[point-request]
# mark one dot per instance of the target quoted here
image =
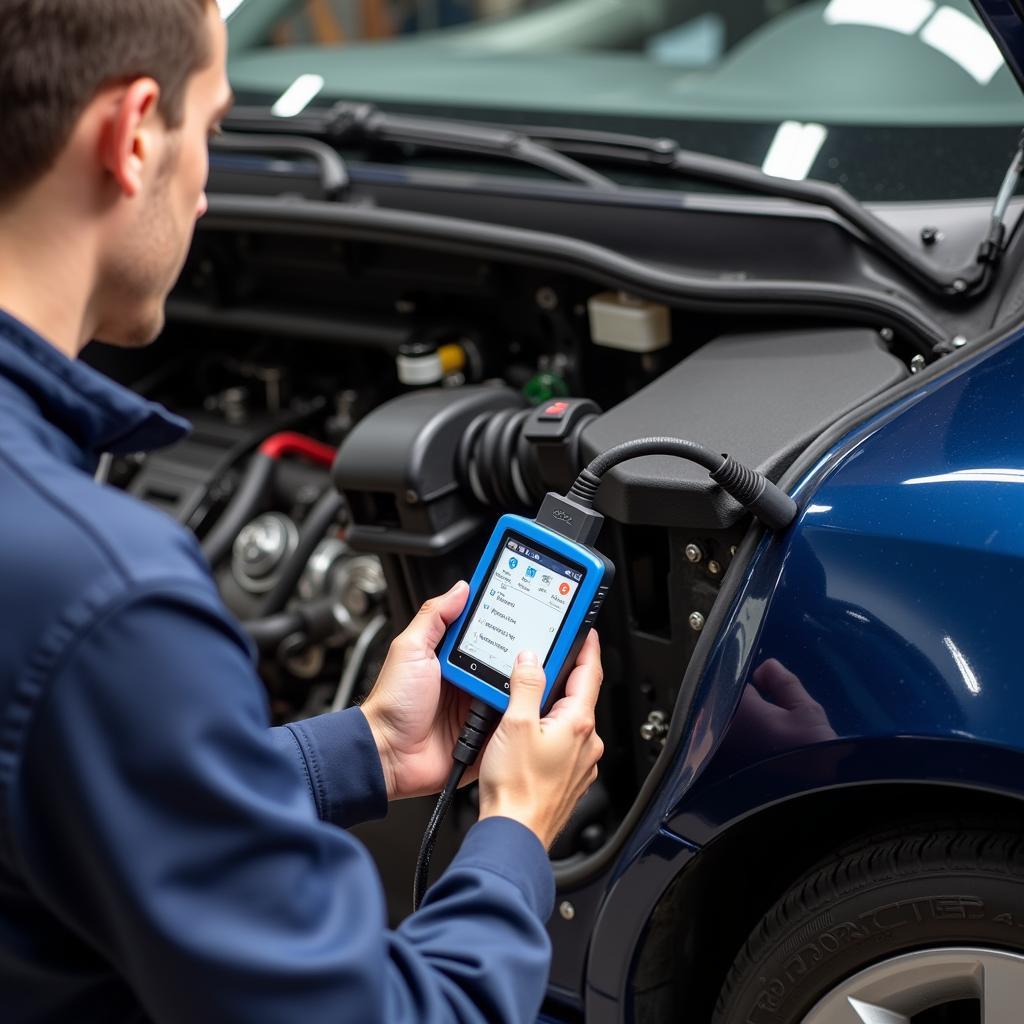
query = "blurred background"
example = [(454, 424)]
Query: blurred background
[(335, 22)]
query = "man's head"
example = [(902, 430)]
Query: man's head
[(107, 107)]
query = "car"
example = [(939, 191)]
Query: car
[(443, 269)]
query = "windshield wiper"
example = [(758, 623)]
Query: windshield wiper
[(555, 149), (358, 123), (665, 154)]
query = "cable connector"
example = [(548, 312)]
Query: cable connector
[(479, 724), (572, 519), (756, 492)]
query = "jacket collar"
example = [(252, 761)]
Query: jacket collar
[(98, 414)]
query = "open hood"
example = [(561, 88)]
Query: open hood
[(1005, 20)]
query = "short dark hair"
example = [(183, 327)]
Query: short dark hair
[(56, 55)]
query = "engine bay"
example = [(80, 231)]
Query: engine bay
[(363, 415)]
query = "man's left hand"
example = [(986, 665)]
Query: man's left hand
[(414, 716)]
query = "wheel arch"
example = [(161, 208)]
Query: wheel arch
[(710, 907)]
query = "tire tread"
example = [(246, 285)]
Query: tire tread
[(885, 857)]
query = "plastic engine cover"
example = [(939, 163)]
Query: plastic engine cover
[(759, 397)]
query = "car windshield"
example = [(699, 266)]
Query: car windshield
[(894, 99)]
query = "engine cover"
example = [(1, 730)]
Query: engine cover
[(759, 397)]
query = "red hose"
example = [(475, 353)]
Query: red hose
[(298, 444)]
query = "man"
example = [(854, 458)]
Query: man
[(164, 855)]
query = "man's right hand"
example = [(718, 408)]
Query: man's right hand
[(535, 769)]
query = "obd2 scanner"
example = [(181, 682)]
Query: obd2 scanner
[(540, 585)]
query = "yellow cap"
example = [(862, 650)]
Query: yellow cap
[(453, 358)]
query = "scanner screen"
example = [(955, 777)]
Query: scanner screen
[(521, 606)]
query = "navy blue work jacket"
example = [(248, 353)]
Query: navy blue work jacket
[(165, 855)]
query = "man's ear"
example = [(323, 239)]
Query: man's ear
[(129, 136)]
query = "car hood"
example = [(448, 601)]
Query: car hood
[(1005, 20)]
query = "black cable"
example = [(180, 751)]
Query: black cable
[(249, 498), (444, 801), (311, 622), (586, 483), (753, 490), (192, 514), (480, 722)]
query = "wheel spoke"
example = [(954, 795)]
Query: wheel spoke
[(868, 1013), (893, 991), (1001, 992), (856, 1011)]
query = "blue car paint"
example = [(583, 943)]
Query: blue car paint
[(890, 611)]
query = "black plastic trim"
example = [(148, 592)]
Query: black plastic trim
[(535, 248)]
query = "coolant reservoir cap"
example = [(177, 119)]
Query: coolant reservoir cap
[(419, 364)]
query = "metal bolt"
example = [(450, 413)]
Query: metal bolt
[(959, 341), (547, 298), (411, 497), (732, 550), (693, 553), (714, 568), (886, 334), (696, 621), (959, 285), (567, 910), (930, 235), (917, 363), (655, 727)]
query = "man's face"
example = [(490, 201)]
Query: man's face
[(146, 250)]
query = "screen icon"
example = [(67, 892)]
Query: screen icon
[(513, 562), (564, 588), (531, 572)]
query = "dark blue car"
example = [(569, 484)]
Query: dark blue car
[(785, 230)]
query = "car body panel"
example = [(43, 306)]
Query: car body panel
[(892, 607)]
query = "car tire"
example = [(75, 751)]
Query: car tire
[(936, 897)]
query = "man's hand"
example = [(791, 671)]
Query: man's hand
[(536, 769), (414, 717)]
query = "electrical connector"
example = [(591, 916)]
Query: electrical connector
[(561, 514)]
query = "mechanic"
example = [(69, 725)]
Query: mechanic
[(164, 854)]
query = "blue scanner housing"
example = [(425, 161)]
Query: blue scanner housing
[(597, 574)]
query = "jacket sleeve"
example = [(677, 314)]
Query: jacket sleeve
[(157, 815), (340, 763)]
